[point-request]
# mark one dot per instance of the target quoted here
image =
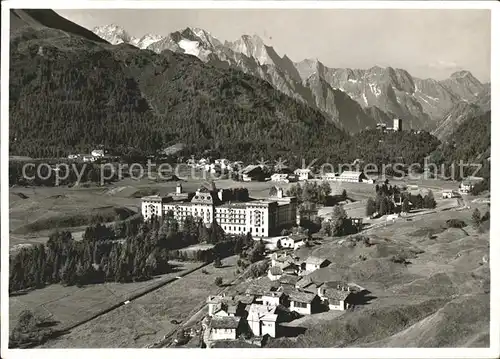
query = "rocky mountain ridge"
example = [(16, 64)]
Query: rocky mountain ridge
[(421, 103)]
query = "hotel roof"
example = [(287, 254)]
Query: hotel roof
[(155, 197)]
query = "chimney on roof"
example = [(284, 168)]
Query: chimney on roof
[(178, 188)]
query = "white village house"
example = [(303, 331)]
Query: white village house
[(313, 263), (293, 241), (262, 319), (280, 177), (468, 183), (224, 328), (303, 174), (97, 153), (352, 176), (337, 295), (303, 302)]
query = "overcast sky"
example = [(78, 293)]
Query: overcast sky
[(427, 43)]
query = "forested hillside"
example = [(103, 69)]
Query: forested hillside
[(471, 143), (373, 146), (69, 94)]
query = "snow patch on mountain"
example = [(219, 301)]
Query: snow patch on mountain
[(190, 47), (432, 98), (374, 89), (365, 99), (423, 99)]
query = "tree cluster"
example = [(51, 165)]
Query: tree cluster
[(310, 192), (47, 173), (338, 224), (30, 330)]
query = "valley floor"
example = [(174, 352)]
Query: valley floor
[(439, 298)]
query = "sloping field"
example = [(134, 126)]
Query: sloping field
[(70, 305), (148, 318), (462, 322), (438, 298)]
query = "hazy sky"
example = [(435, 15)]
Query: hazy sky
[(427, 43)]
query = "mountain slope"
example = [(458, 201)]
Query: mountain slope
[(470, 142), (42, 18), (70, 94), (464, 85), (252, 56), (459, 113), (420, 103)]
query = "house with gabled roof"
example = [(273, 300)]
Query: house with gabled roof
[(275, 298), (303, 174), (293, 241), (304, 302), (223, 306), (225, 328), (352, 176), (274, 273), (288, 281), (313, 263), (252, 173), (262, 319), (337, 295)]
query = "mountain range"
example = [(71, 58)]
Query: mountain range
[(353, 98), (71, 90)]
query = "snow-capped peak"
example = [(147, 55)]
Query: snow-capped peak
[(147, 40), (113, 33)]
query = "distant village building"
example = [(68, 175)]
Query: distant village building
[(252, 173), (280, 177), (347, 176), (330, 176), (352, 176), (398, 124), (448, 193), (262, 218), (303, 174), (468, 183), (88, 158), (97, 153)]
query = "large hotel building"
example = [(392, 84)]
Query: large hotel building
[(260, 217)]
